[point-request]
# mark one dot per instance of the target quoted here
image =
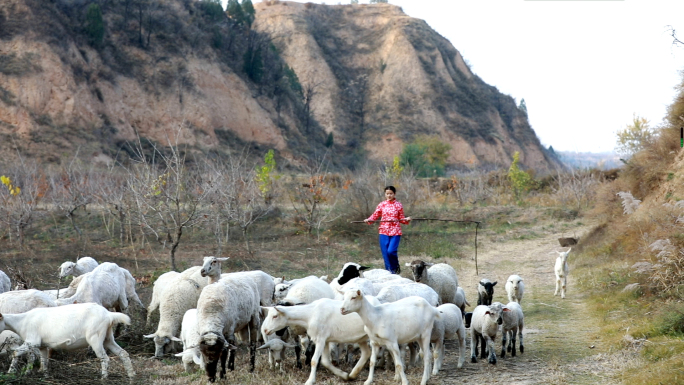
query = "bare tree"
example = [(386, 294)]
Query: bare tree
[(113, 193), (22, 189), (168, 195), (72, 189), (577, 186), (309, 91)]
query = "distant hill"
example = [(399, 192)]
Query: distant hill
[(599, 160)]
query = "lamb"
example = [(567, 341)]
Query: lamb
[(225, 307), (157, 289), (483, 327), (362, 284), (515, 288), (21, 301), (190, 338), (383, 282), (513, 323), (349, 271), (82, 266), (5, 283), (396, 292), (561, 270), (485, 291), (441, 277), (307, 290), (54, 328), (106, 286), (181, 294), (325, 324), (275, 343), (67, 291), (376, 274), (211, 268), (461, 300), (395, 323), (448, 326)]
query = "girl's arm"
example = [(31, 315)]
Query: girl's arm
[(377, 214)]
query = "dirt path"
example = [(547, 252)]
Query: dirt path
[(561, 345)]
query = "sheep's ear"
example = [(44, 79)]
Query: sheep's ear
[(358, 292), (149, 336), (429, 264), (407, 264), (494, 284), (181, 354), (265, 346), (223, 259), (363, 267), (176, 339), (488, 312), (481, 284), (506, 309), (232, 347), (264, 309), (569, 250)]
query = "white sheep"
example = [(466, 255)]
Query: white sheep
[(9, 342), (561, 269), (181, 294), (54, 328), (83, 265), (131, 294), (275, 343), (363, 284), (460, 299), (307, 290), (448, 326), (394, 293), (211, 268), (441, 277), (106, 286), (513, 324), (515, 288), (228, 306), (383, 282), (190, 338), (21, 301), (5, 283), (394, 323), (376, 274), (67, 291), (483, 327), (157, 289), (324, 324)]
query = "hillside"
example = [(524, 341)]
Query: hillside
[(181, 71)]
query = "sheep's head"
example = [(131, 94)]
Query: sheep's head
[(352, 301), (488, 287), (349, 271), (162, 344), (213, 346), (275, 320), (66, 269), (515, 280), (495, 311), (276, 347), (212, 266), (419, 269), (280, 291)]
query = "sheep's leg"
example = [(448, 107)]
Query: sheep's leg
[(113, 347), (43, 360), (310, 347), (461, 346), (504, 334), (558, 284), (490, 347), (231, 359), (102, 355), (413, 354), (565, 282), (381, 361), (298, 351), (225, 353), (437, 355), (253, 336), (365, 355), (520, 336), (373, 361), (325, 361), (512, 343), (393, 348), (425, 348), (350, 353), (484, 347), (474, 339), (314, 363)]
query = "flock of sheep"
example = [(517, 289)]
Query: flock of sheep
[(208, 312)]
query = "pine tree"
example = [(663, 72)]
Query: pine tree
[(523, 106), (235, 11), (249, 11), (94, 25)]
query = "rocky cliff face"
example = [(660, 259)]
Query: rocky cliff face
[(370, 75), (381, 77)]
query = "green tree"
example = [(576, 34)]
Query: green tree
[(265, 175), (235, 12), (329, 141), (94, 24), (521, 181), (253, 64), (523, 106), (249, 11), (635, 137), (426, 155)]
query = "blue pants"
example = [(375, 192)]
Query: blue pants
[(389, 246)]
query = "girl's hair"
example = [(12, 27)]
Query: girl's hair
[(394, 190)]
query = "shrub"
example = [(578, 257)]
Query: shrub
[(94, 25)]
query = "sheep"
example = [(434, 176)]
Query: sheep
[(485, 292), (513, 323), (325, 324), (21, 301), (515, 288), (396, 292), (54, 328), (227, 306), (460, 299), (211, 268), (67, 291), (275, 343), (391, 324), (349, 271), (106, 286), (189, 337), (157, 289), (362, 284), (561, 269), (5, 283), (383, 282), (441, 277), (376, 273), (82, 266), (483, 327), (307, 290), (9, 342), (448, 326), (181, 294), (131, 295)]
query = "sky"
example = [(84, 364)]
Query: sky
[(584, 68)]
